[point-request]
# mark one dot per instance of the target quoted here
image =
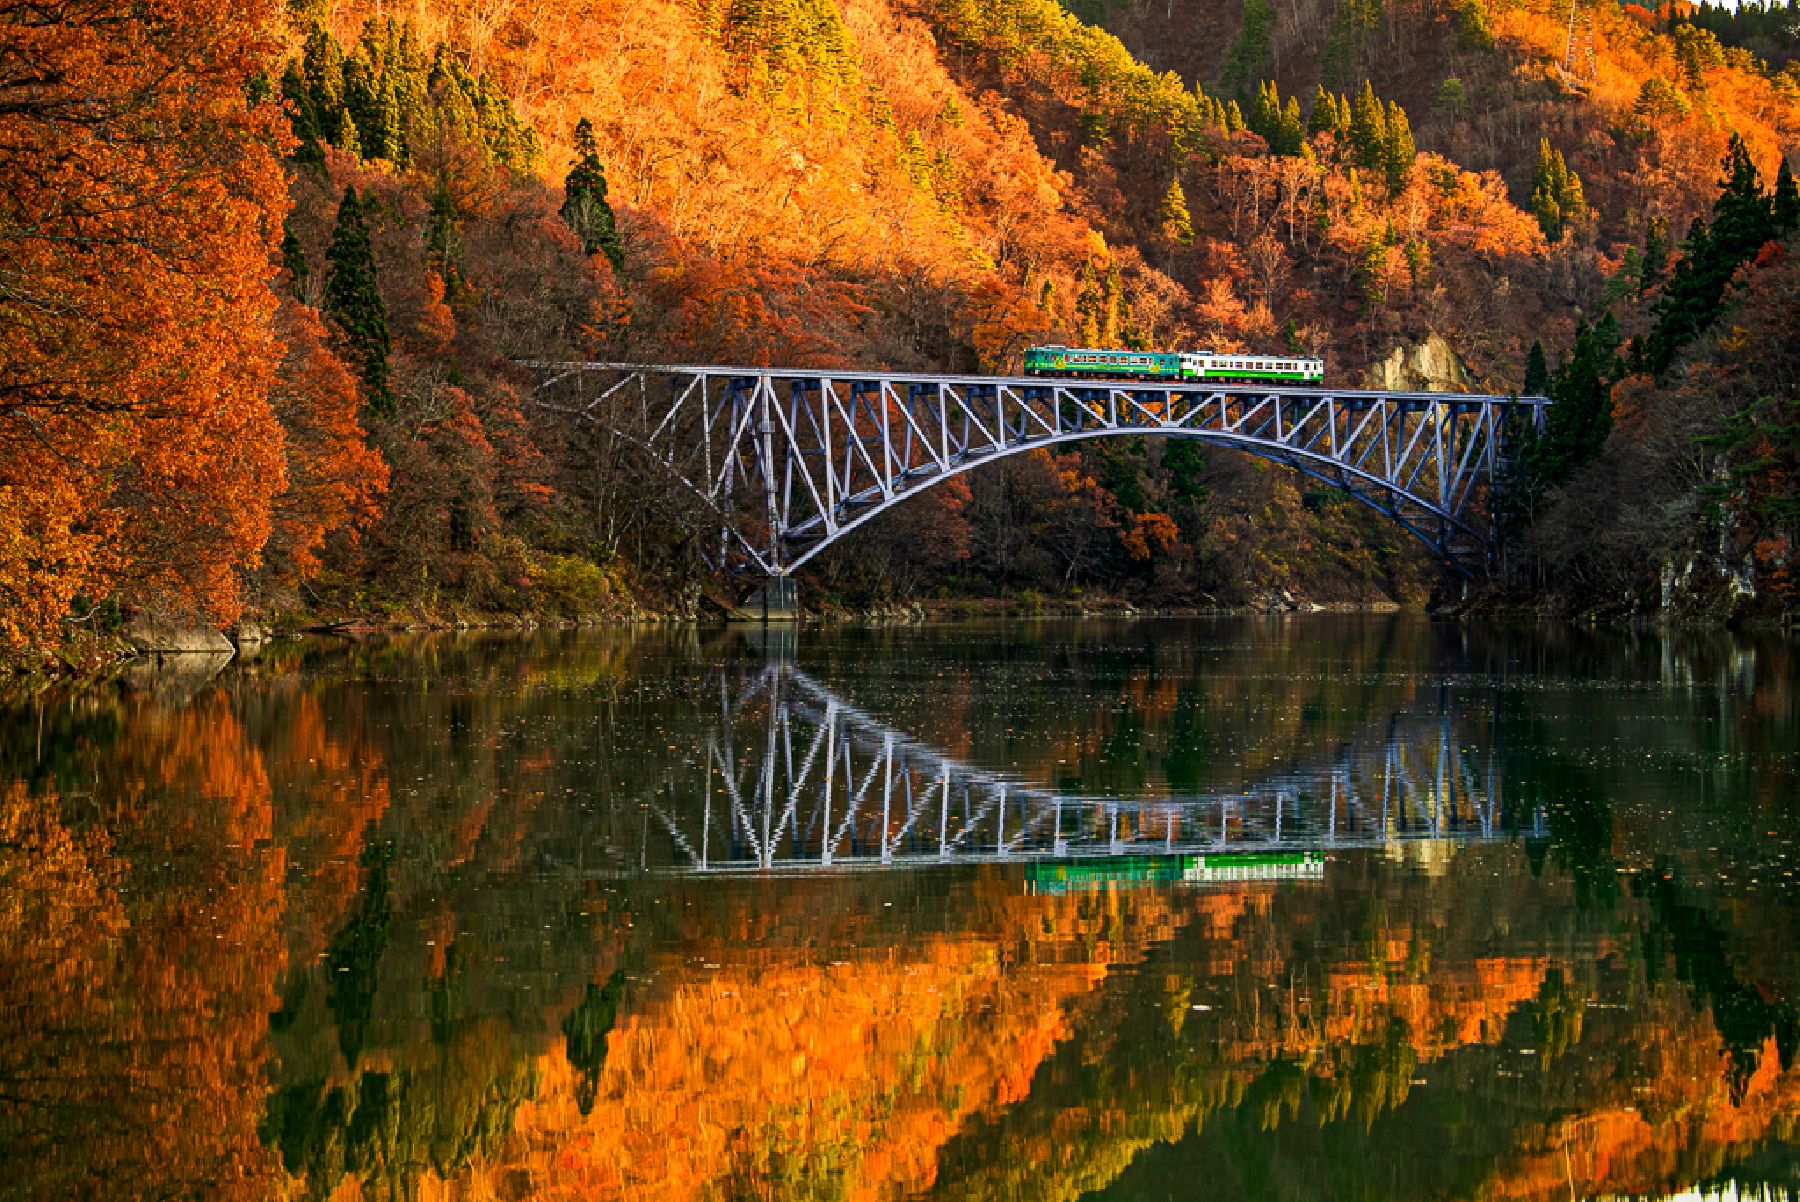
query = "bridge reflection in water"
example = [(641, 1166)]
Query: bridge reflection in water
[(794, 777)]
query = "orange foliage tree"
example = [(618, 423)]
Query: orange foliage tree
[(333, 476), (140, 190)]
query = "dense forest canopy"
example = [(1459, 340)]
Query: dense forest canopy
[(269, 275)]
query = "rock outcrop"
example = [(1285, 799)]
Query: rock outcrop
[(1428, 366)]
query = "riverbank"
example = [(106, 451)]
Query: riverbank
[(96, 653), (90, 652)]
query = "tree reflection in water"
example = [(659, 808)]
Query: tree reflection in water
[(370, 918)]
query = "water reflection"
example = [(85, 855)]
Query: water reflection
[(428, 919), (794, 776)]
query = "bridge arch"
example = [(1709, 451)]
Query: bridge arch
[(1361, 486), (793, 460)]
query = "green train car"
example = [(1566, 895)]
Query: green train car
[(1075, 362), (1130, 872)]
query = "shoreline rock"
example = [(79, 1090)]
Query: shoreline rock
[(153, 637)]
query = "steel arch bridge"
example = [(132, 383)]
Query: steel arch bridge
[(791, 460), (793, 777)]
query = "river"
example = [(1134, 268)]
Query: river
[(1249, 908)]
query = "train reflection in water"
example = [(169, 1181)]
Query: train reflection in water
[(1082, 876)]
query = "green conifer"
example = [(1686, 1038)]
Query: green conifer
[(304, 119), (1368, 130), (353, 300), (1291, 135), (1452, 99), (585, 206), (1577, 426), (1742, 216), (1251, 48), (1557, 198), (1323, 118), (1537, 372), (1265, 116), (1743, 220), (1177, 223), (293, 258), (1786, 205), (1400, 151), (322, 69)]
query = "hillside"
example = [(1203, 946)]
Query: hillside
[(412, 206)]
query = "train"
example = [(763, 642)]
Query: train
[(1079, 362)]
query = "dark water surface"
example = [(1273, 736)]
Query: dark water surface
[(1324, 908)]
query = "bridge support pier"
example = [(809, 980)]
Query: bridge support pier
[(777, 599)]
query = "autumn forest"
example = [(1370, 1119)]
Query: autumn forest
[(271, 276)]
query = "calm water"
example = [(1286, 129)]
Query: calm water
[(1325, 908)]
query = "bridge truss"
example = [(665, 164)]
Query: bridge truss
[(794, 777), (792, 460)]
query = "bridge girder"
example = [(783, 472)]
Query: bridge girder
[(792, 460)]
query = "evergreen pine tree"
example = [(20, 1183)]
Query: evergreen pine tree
[(1251, 48), (1265, 116), (1400, 151), (393, 122), (1324, 113), (1743, 219), (1177, 224), (1368, 129), (293, 258), (353, 299), (1452, 99), (1537, 372), (1572, 199), (1292, 134), (584, 206), (1786, 206), (305, 120), (1577, 425), (1742, 216), (1548, 180), (322, 69), (362, 109)]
